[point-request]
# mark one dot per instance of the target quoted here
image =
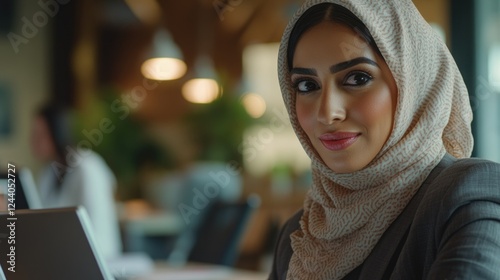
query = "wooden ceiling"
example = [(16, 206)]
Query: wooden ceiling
[(219, 28)]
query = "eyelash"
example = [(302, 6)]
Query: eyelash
[(357, 72), (296, 83)]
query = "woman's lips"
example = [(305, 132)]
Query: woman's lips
[(339, 140)]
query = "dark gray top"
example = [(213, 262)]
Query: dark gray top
[(449, 230)]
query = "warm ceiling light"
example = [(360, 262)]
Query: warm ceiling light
[(254, 104), (204, 88), (201, 90), (163, 68), (165, 62)]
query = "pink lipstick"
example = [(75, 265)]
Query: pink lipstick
[(339, 140)]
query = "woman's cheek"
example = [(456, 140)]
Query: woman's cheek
[(376, 107), (305, 116)]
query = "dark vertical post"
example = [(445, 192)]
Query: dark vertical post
[(63, 44), (463, 45)]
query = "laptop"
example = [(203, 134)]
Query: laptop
[(49, 244), (26, 193)]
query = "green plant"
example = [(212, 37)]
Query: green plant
[(218, 128), (125, 145)]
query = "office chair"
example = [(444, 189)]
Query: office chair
[(218, 236)]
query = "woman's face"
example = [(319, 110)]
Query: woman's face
[(42, 145), (345, 96)]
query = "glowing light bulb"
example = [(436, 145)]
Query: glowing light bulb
[(201, 90), (254, 104), (163, 68)]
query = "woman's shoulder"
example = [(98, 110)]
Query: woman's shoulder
[(457, 216), (468, 176), (461, 182), (466, 167), (93, 164)]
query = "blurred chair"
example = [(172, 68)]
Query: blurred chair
[(216, 239), (219, 235)]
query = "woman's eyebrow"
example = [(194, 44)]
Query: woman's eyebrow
[(337, 67), (304, 71), (350, 63)]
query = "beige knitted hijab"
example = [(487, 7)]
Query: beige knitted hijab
[(346, 214)]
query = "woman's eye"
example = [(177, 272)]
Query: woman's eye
[(306, 86), (357, 79)]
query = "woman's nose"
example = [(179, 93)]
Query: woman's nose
[(331, 107)]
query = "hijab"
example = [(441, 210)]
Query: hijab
[(346, 214)]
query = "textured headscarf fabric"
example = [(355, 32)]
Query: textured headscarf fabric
[(346, 214)]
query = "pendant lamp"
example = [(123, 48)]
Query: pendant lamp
[(203, 88), (166, 60)]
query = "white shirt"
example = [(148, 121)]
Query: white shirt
[(89, 182)]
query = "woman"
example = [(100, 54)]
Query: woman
[(381, 109), (74, 177)]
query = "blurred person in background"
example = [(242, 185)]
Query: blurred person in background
[(75, 176)]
